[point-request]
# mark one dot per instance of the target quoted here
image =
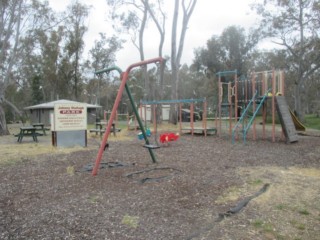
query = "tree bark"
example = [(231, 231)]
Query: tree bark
[(15, 21), (174, 67), (177, 54)]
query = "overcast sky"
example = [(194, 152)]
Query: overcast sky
[(209, 18)]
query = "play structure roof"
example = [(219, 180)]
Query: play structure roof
[(50, 105)]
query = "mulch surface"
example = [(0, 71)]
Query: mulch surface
[(55, 197)]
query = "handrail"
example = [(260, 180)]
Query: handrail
[(247, 127)]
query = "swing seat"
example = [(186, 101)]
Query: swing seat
[(150, 146)]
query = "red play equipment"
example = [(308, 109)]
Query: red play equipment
[(169, 137)]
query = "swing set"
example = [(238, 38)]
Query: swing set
[(192, 128), (123, 86)]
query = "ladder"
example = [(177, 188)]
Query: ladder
[(246, 120)]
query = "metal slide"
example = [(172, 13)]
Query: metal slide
[(286, 120), (299, 126)]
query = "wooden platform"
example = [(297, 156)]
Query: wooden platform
[(199, 130)]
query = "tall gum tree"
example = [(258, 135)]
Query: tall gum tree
[(177, 49), (11, 17)]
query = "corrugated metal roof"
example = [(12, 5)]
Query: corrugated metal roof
[(50, 105)]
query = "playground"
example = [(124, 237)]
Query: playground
[(231, 176), (49, 193)]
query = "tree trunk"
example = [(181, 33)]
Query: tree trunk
[(174, 68), (3, 124), (176, 54), (142, 58)]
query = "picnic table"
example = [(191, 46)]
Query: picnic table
[(100, 129), (40, 127), (27, 132)]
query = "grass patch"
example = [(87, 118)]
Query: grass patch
[(93, 199), (264, 226), (130, 221), (303, 212), (281, 206), (256, 182), (312, 121), (257, 223), (298, 225)]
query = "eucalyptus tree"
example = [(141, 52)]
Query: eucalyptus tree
[(294, 25), (11, 18), (74, 32), (19, 19), (132, 17), (232, 50), (177, 45), (102, 55)]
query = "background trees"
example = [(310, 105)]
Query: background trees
[(43, 57), (295, 26), (232, 50)]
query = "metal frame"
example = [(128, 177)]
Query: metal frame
[(123, 85)]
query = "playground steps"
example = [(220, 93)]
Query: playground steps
[(286, 120), (247, 119)]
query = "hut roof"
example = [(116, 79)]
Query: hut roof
[(50, 105)]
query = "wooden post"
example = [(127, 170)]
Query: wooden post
[(180, 118), (254, 105), (264, 109), (191, 118), (204, 117), (219, 105), (273, 107)]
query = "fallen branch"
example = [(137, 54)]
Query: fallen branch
[(230, 212)]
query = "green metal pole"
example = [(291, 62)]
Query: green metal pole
[(140, 123), (134, 109)]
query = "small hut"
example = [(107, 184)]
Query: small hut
[(41, 112)]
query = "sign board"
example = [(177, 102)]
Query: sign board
[(70, 117)]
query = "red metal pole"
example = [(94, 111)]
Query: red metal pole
[(124, 78)]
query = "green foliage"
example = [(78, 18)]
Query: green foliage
[(293, 25), (312, 121), (231, 50), (37, 95)]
